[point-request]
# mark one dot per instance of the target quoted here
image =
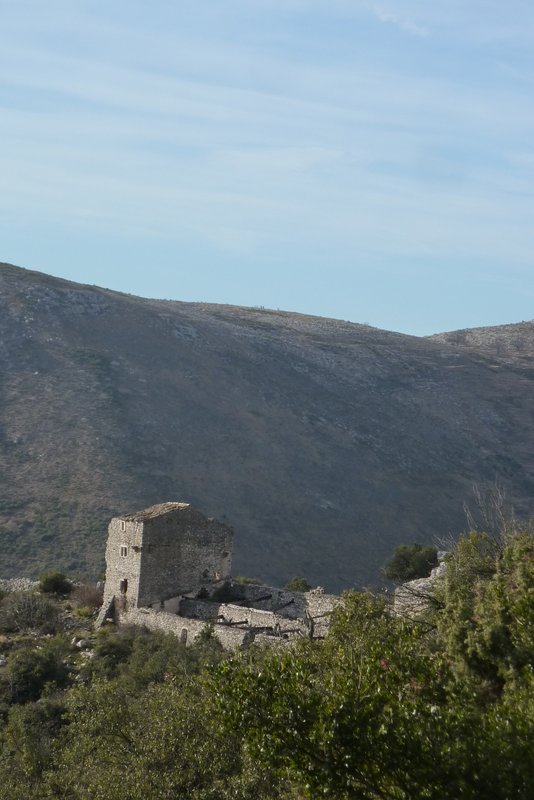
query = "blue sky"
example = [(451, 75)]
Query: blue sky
[(371, 161)]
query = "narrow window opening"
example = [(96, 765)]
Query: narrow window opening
[(183, 636), (123, 586), (123, 525), (124, 550)]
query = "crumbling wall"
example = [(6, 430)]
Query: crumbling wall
[(252, 617), (415, 597), (319, 607), (184, 628)]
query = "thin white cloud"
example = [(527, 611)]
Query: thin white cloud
[(213, 141), (404, 23)]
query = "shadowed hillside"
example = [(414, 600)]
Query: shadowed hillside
[(324, 443)]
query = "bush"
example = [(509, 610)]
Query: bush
[(31, 670), (297, 584), (54, 583), (411, 561), (87, 596), (23, 611)]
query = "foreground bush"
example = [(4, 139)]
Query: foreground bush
[(384, 708)]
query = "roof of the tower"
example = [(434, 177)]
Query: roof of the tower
[(159, 510)]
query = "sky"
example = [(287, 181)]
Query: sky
[(369, 161)]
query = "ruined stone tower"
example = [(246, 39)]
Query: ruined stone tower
[(161, 553)]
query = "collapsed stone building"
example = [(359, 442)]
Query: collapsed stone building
[(413, 598), (168, 568)]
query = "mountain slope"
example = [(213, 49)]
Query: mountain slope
[(324, 443)]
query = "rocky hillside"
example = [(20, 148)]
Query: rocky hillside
[(324, 443)]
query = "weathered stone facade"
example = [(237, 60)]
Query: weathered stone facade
[(168, 568), (166, 550)]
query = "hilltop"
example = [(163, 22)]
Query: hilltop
[(325, 443)]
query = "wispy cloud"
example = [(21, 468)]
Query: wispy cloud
[(283, 137), (404, 23)]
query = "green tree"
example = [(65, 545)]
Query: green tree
[(55, 583), (161, 743), (487, 623), (411, 561), (27, 745), (32, 670), (297, 584), (360, 716)]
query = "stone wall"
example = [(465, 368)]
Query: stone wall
[(415, 597), (126, 534), (182, 551), (252, 617), (184, 628), (320, 607)]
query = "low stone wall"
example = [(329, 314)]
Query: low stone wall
[(415, 597), (253, 617), (18, 585), (184, 628), (320, 607)]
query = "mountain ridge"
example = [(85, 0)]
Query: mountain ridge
[(325, 442)]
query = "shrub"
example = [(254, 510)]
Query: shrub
[(87, 596), (23, 611), (31, 670), (54, 583), (297, 584), (411, 561)]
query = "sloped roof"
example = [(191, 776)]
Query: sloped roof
[(159, 510)]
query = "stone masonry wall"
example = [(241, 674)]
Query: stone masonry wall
[(118, 568), (230, 638), (206, 610), (320, 607), (182, 551)]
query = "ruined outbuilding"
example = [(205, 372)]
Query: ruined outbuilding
[(168, 568)]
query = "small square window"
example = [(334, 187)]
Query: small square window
[(124, 550)]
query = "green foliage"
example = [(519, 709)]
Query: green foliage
[(163, 744), (32, 671), (28, 743), (55, 583), (138, 657), (411, 561), (297, 584), (487, 624), (342, 718), (384, 708)]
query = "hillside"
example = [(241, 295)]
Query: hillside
[(324, 443)]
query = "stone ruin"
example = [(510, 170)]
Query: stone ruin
[(168, 569), (413, 598)]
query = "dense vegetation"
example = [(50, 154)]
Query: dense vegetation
[(438, 708)]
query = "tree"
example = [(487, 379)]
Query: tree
[(411, 561), (54, 583), (297, 584)]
